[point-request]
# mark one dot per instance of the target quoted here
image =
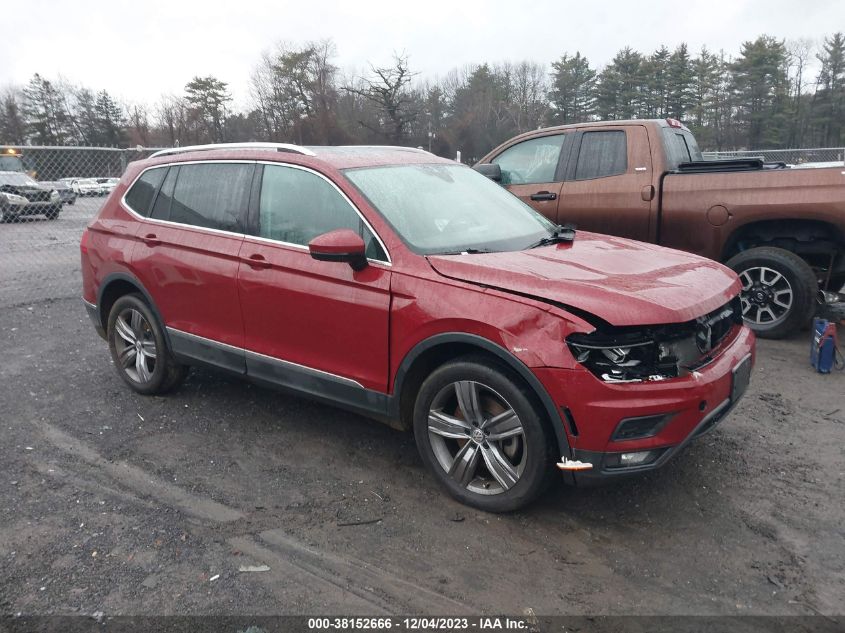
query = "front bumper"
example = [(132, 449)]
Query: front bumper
[(592, 410)]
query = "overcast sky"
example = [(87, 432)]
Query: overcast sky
[(139, 49)]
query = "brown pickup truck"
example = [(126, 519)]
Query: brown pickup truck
[(782, 230)]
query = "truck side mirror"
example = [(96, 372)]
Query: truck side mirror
[(492, 170)]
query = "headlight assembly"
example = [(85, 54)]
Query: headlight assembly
[(13, 198), (624, 357)]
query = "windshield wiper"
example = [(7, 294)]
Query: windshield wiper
[(467, 251), (561, 233)]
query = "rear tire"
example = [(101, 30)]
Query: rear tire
[(482, 436), (778, 290), (139, 348)]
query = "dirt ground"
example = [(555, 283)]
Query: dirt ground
[(117, 503)]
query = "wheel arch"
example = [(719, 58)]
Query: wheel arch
[(432, 352), (801, 236), (117, 285)]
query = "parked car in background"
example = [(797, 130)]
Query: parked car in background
[(409, 288), (21, 196), (107, 185), (782, 230), (85, 186), (67, 194)]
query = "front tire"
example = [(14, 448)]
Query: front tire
[(482, 436), (778, 290), (139, 348)]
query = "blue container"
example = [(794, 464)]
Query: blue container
[(823, 346)]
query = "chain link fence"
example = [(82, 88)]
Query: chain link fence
[(809, 157), (39, 253), (40, 232)]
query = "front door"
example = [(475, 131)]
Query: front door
[(309, 324), (530, 171)]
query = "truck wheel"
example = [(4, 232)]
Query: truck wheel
[(778, 290)]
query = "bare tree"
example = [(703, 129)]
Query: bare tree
[(388, 88)]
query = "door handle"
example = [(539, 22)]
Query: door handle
[(544, 195), (647, 193), (256, 260), (151, 239)]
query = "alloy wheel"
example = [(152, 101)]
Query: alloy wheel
[(766, 296), (135, 345), (477, 437)]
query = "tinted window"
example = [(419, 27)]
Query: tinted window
[(297, 206), (602, 154), (140, 195), (161, 208), (531, 161), (680, 147), (212, 195)]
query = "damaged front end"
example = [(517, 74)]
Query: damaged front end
[(651, 353)]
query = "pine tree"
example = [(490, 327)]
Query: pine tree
[(829, 104), (761, 86), (680, 83), (208, 97), (573, 84)]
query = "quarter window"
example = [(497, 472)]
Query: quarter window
[(530, 162), (296, 206), (140, 195), (212, 195), (161, 207), (602, 154)]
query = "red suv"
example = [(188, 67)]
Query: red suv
[(414, 290)]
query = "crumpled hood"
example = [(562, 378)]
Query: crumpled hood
[(621, 281)]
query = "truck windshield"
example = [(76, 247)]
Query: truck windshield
[(681, 147), (438, 209), (11, 163)]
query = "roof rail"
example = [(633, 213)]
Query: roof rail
[(279, 147)]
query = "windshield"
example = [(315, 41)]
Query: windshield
[(11, 163), (449, 208), (16, 178)]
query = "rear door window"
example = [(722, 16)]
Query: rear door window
[(530, 162), (297, 205), (212, 195), (602, 154), (140, 195)]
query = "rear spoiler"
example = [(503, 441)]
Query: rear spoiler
[(737, 164)]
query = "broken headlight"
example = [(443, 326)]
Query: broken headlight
[(624, 357)]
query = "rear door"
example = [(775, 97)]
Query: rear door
[(609, 182), (531, 170), (187, 258)]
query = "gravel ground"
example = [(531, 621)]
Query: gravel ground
[(124, 504)]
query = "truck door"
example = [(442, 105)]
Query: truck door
[(531, 170), (609, 182)]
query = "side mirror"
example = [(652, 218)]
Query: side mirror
[(491, 170), (343, 245)]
